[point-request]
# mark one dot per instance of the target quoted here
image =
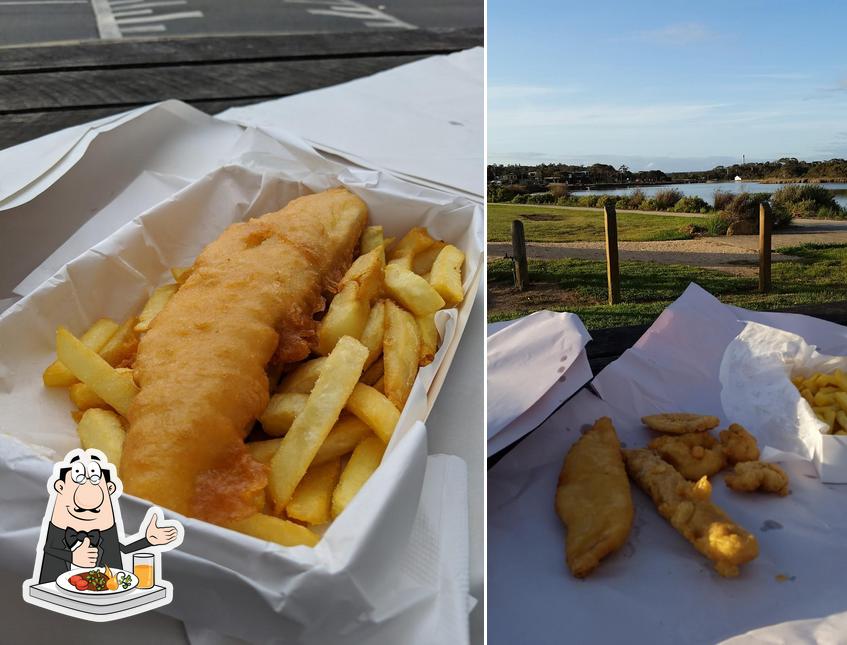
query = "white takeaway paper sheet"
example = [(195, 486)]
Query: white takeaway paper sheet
[(657, 584), (434, 106), (534, 365), (346, 585)]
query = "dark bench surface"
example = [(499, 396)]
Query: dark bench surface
[(608, 344), (48, 87)]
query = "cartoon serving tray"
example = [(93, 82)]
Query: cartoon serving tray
[(79, 566)]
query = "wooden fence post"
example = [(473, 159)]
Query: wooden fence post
[(519, 255), (765, 227), (613, 272)]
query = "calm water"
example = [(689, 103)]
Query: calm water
[(707, 191)]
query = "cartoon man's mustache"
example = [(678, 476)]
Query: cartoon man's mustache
[(77, 509)]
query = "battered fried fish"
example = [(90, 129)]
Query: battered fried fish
[(694, 455), (738, 444), (689, 510), (593, 498), (251, 296), (680, 422), (757, 475)]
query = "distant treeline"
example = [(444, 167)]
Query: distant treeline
[(541, 175)]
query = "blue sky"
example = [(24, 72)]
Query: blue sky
[(669, 85)]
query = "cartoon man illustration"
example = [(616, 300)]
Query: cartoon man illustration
[(82, 529)]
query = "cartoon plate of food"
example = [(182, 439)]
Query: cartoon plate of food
[(99, 581)]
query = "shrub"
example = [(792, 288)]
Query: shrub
[(540, 198), (588, 201), (745, 206), (500, 194), (648, 205), (691, 204), (633, 201), (567, 201), (558, 190), (607, 199), (665, 199), (519, 199), (807, 200), (690, 231), (717, 224), (722, 199)]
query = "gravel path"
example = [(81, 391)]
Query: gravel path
[(737, 254)]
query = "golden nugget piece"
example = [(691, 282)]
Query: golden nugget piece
[(738, 444), (251, 297), (757, 475), (593, 498), (694, 455), (680, 422), (689, 510)]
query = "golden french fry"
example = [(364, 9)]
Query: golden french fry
[(282, 409), (347, 316), (154, 305), (807, 394), (344, 436), (422, 262), (303, 378), (379, 386), (841, 419), (90, 368), (274, 529), (828, 417), (181, 274), (120, 349), (366, 271), (333, 388), (412, 243), (824, 399), (840, 380), (429, 338), (401, 353), (57, 375), (404, 262), (412, 291), (363, 462), (374, 332), (373, 373), (371, 239), (797, 381), (841, 400), (83, 397), (103, 430), (312, 499), (446, 275), (374, 408)]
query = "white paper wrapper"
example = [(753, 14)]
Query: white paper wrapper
[(757, 392), (535, 364), (658, 584), (254, 590)]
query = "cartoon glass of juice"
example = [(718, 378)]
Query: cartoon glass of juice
[(142, 567)]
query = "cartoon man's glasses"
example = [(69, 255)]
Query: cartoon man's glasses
[(82, 470)]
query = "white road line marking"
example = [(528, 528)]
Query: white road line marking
[(165, 16), (350, 9), (140, 12), (24, 2), (143, 29), (106, 25), (136, 4)]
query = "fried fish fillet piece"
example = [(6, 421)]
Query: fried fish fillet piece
[(694, 455), (738, 444), (680, 422), (690, 511), (593, 498), (757, 475), (251, 297)]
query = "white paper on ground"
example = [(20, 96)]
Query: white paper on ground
[(368, 120), (274, 592), (534, 364), (657, 583)]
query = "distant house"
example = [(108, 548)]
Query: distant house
[(509, 178), (737, 178)]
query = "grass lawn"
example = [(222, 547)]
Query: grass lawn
[(579, 286), (550, 224)]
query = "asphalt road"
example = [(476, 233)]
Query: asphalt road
[(39, 21)]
